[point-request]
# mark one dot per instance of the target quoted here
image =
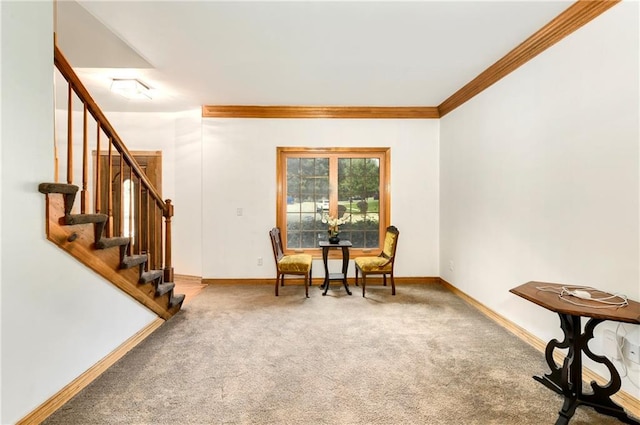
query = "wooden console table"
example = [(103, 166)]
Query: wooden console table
[(326, 245), (567, 380)]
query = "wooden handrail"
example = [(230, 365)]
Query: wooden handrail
[(156, 208), (67, 72)]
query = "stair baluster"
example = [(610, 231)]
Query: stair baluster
[(84, 194), (69, 133), (137, 267), (98, 185)]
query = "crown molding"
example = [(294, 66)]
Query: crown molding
[(347, 112), (575, 16)]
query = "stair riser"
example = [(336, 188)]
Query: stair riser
[(105, 262)]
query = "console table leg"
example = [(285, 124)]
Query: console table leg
[(568, 409), (600, 396), (567, 380)]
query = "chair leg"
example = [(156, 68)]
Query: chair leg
[(364, 282), (384, 280), (357, 276), (393, 285), (277, 283), (307, 279)]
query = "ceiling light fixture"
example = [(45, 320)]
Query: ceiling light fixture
[(131, 88)]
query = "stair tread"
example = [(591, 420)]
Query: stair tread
[(164, 287), (84, 218), (150, 276), (104, 243), (67, 189), (132, 261), (176, 300)]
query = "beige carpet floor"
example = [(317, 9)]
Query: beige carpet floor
[(239, 355)]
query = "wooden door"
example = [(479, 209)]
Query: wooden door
[(132, 213)]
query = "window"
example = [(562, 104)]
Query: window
[(339, 182), (128, 213)]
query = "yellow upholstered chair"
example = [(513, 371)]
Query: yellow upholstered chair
[(382, 264), (295, 264)]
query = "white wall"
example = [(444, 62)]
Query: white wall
[(145, 131), (58, 318), (187, 222), (539, 176), (239, 171)]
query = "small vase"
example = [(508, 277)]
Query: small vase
[(334, 239)]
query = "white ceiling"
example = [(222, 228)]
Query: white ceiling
[(358, 53)]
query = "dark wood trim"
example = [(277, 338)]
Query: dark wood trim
[(334, 153), (233, 281), (422, 280), (187, 278), (574, 17), (352, 112)]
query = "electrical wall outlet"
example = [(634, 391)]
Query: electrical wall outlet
[(610, 345), (259, 261), (631, 349), (451, 265)]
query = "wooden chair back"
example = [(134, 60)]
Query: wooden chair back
[(390, 243), (276, 244)]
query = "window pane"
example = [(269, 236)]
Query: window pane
[(307, 196), (358, 194)]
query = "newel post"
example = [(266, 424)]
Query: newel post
[(168, 269)]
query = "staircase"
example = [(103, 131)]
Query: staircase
[(139, 266)]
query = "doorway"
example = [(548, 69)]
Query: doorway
[(132, 211)]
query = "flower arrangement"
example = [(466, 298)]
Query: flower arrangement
[(334, 224)]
